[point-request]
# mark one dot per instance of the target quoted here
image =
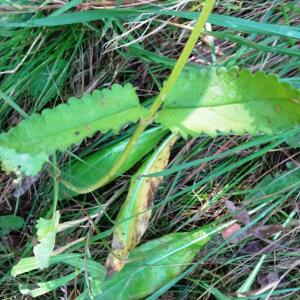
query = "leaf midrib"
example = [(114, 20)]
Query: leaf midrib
[(269, 100)]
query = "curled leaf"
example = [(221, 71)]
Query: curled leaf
[(134, 216), (230, 101), (46, 234), (95, 166), (27, 146)]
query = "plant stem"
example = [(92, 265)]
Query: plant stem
[(56, 186), (144, 122)]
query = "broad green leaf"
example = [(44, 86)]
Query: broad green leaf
[(234, 101), (46, 234), (27, 146), (135, 213), (154, 264), (10, 222), (96, 165)]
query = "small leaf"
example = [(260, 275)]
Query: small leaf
[(46, 234), (96, 165), (10, 222), (154, 264), (272, 187), (28, 264), (134, 216), (235, 101), (27, 146), (46, 287)]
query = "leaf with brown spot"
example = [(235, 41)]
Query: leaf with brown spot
[(156, 264), (134, 216)]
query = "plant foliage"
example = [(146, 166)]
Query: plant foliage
[(154, 264), (95, 166), (234, 101), (46, 234), (27, 146), (135, 213), (206, 101)]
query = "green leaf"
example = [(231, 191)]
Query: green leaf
[(240, 24), (27, 146), (10, 222), (46, 234), (235, 101), (275, 186), (46, 287), (95, 166), (216, 292), (95, 271), (154, 264), (294, 141), (135, 213), (28, 264)]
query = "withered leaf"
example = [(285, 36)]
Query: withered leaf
[(134, 216)]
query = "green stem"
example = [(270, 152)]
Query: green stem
[(144, 122)]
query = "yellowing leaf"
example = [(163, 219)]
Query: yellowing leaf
[(234, 101), (135, 213), (154, 264)]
